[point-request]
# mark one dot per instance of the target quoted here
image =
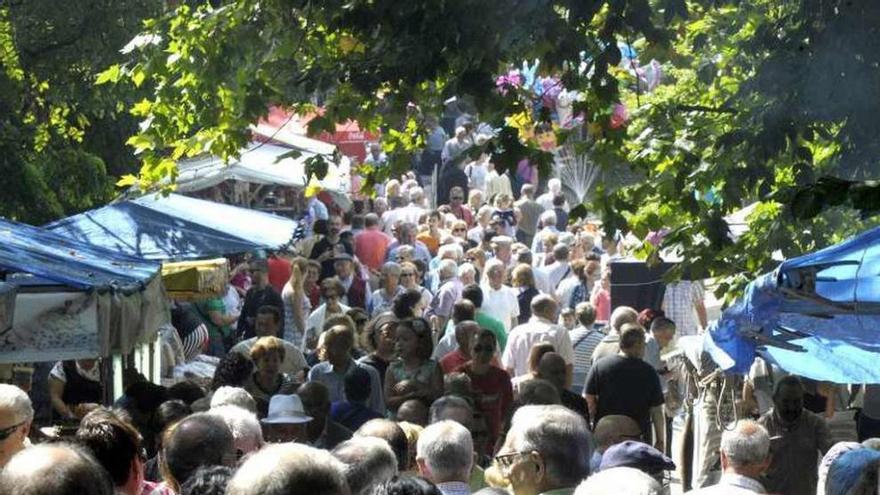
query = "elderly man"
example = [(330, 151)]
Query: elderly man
[(368, 462), (196, 441), (800, 436), (745, 456), (247, 434), (290, 468), (547, 450), (406, 236), (560, 269), (444, 453), (499, 299), (610, 345), (16, 416), (287, 420), (541, 327), (390, 432), (55, 468), (268, 324), (449, 293), (625, 384), (546, 225)]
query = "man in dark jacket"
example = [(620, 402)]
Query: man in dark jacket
[(260, 294)]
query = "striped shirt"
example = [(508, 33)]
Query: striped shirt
[(584, 341), (678, 304)]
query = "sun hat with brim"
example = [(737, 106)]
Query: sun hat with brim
[(286, 409)]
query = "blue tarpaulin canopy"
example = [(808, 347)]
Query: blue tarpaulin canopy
[(56, 258), (176, 227), (816, 315)]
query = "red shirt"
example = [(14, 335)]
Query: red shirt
[(370, 246), (453, 361), (493, 394), (279, 273)]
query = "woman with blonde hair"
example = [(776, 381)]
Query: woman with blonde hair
[(267, 380), (523, 279)]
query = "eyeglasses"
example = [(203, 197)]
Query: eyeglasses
[(6, 432), (506, 461)]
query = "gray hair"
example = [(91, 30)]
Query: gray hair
[(466, 269), (416, 195), (447, 250), (17, 402), (233, 396), (559, 435), (55, 468), (746, 444), (368, 461), (246, 431), (447, 269), (390, 268), (619, 480), (285, 468), (448, 451), (440, 407), (621, 316), (560, 252), (548, 218)]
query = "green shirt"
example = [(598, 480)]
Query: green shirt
[(489, 323)]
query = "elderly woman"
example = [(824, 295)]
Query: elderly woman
[(389, 288), (467, 274), (267, 355), (411, 278)]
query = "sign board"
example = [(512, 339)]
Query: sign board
[(52, 326)]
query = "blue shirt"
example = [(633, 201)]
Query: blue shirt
[(351, 414), (334, 380)]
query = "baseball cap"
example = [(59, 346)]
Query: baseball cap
[(636, 455)]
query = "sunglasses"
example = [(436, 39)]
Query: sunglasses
[(407, 274), (484, 348), (6, 432)]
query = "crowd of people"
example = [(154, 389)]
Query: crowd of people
[(454, 341)]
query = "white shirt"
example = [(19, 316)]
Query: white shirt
[(732, 484), (315, 323), (476, 172), (523, 337), (565, 288), (556, 272), (293, 363), (497, 184), (538, 241), (410, 214), (501, 304)]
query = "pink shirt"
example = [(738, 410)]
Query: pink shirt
[(370, 247), (601, 300)]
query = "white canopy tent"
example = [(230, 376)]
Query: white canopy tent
[(259, 164)]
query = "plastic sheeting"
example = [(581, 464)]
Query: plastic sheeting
[(65, 260), (816, 316), (177, 227), (259, 164)]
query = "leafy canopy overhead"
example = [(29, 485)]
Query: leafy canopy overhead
[(762, 101)]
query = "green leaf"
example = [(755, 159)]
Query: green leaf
[(112, 74)]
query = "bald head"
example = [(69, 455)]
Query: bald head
[(54, 468), (392, 433), (614, 429)]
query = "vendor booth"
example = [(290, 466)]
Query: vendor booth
[(74, 300), (176, 227), (815, 316)]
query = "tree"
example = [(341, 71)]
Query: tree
[(764, 101), (62, 138)]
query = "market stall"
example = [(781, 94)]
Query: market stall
[(176, 227), (815, 316), (75, 300)]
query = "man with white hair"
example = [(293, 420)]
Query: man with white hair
[(610, 345), (546, 449), (412, 212), (233, 396), (247, 435), (369, 461), (55, 468), (445, 455), (16, 416), (745, 456), (289, 468), (448, 294), (620, 480), (554, 188), (546, 225), (499, 299)]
